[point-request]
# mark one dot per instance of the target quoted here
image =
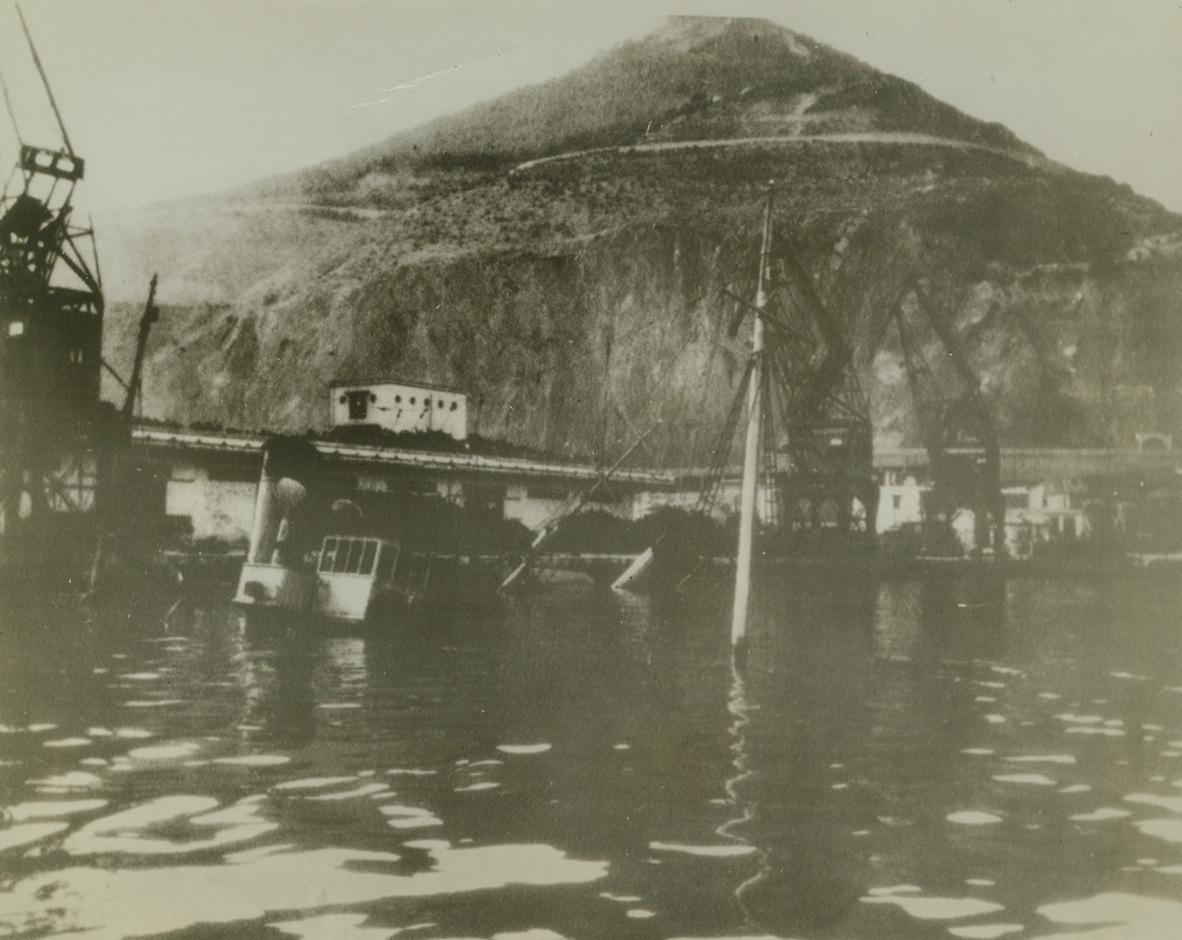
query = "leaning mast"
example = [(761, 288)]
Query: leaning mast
[(751, 451)]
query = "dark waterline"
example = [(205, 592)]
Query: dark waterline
[(949, 757)]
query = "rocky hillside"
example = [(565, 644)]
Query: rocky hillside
[(568, 252)]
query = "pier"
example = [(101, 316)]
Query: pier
[(210, 478)]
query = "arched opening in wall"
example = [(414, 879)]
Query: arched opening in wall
[(1151, 442)]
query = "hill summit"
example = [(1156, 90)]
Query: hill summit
[(566, 253), (698, 78)]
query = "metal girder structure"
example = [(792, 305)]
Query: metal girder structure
[(958, 430), (51, 327), (51, 296), (821, 412)]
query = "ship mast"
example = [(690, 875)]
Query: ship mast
[(751, 451)]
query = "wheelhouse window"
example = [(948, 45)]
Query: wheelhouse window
[(368, 554), (342, 559), (348, 556), (328, 554), (386, 561)]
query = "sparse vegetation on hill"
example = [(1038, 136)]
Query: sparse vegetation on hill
[(578, 301)]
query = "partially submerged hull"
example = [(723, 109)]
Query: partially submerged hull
[(275, 586), (356, 580), (346, 580)]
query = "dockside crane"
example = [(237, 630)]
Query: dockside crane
[(958, 430), (51, 328), (828, 485), (815, 479), (66, 490)]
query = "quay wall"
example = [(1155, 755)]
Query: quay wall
[(209, 505), (1035, 464), (211, 480)]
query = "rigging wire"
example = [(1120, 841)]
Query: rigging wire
[(11, 110), (726, 437), (737, 231), (718, 463), (771, 493), (45, 81), (732, 234)]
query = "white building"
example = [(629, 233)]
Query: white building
[(900, 502), (1042, 513), (400, 407)]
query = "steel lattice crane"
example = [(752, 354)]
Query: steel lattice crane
[(958, 430), (51, 328), (815, 479), (821, 410), (67, 496), (817, 471)]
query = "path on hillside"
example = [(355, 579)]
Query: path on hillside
[(855, 137)]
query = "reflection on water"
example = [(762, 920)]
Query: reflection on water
[(953, 757)]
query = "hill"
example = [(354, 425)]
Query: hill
[(699, 78), (567, 252)]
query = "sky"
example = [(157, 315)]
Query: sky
[(170, 98)]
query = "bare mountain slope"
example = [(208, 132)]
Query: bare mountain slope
[(577, 299), (699, 78)]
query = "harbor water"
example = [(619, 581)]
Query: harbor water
[(906, 758)]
